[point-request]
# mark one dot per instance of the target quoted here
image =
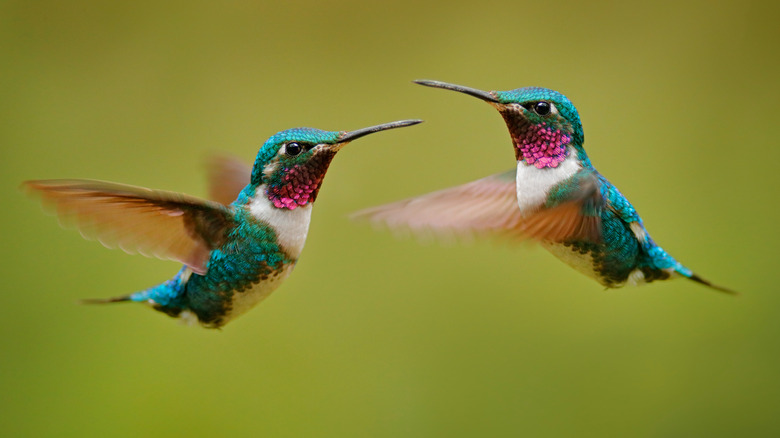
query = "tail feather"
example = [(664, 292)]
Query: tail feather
[(105, 300), (698, 279)]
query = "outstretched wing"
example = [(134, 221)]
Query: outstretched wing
[(489, 205), (154, 223), (227, 176)]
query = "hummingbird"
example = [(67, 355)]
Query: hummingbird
[(554, 197), (236, 248)]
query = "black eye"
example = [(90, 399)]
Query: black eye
[(292, 149), (542, 108)]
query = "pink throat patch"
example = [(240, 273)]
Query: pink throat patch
[(542, 146), (297, 188)]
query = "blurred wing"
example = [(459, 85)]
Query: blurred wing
[(574, 216), (227, 176), (154, 223), (488, 204)]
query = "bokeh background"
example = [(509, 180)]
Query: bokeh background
[(372, 335)]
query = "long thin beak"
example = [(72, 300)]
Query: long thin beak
[(484, 95), (353, 135)]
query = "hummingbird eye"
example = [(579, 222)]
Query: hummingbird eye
[(542, 108), (292, 149)]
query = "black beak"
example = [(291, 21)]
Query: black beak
[(352, 135), (484, 95)]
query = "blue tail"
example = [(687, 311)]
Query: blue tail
[(166, 297), (662, 261)]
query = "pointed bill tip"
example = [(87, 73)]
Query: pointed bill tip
[(479, 94), (401, 123), (428, 82), (353, 135)]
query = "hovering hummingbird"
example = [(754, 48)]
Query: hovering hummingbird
[(555, 196), (236, 248)]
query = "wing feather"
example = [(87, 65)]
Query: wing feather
[(153, 223), (489, 206)]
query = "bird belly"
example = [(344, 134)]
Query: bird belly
[(581, 261), (597, 263), (253, 295)]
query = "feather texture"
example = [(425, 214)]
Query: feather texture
[(153, 223)]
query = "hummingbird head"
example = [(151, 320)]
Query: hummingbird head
[(543, 123), (292, 163)]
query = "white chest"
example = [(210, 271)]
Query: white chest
[(291, 226), (533, 184)]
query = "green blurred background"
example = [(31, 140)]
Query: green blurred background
[(372, 335)]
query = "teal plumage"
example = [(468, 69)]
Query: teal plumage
[(236, 248), (250, 255), (554, 196)]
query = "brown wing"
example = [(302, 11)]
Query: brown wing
[(489, 205), (575, 216), (154, 223), (227, 176)]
